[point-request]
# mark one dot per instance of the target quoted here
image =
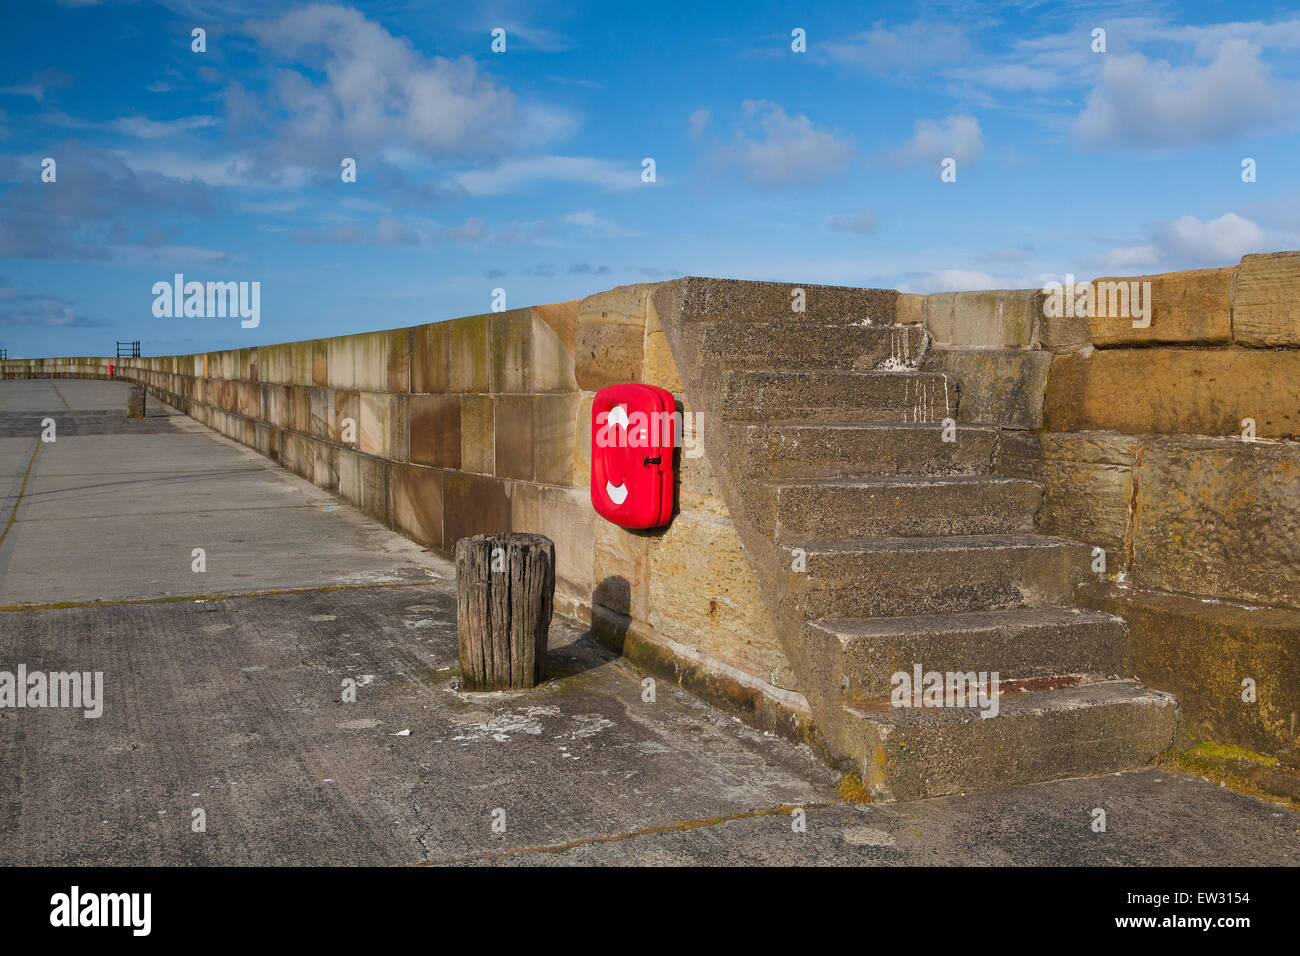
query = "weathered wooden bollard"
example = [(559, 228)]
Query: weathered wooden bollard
[(505, 588), (135, 404)]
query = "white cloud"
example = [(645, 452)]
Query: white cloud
[(773, 148), (958, 137), (364, 88), (952, 280), (513, 173), (864, 220), (697, 123), (894, 51), (1222, 240), (1187, 243), (1141, 102), (142, 128)]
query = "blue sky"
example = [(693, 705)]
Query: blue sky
[(523, 170)]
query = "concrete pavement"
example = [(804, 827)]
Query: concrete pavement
[(223, 693)]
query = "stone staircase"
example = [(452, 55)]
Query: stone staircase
[(884, 547)]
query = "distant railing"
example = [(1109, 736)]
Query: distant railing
[(128, 349)]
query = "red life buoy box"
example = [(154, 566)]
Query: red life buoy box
[(633, 433)]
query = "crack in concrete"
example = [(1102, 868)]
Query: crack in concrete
[(677, 827)]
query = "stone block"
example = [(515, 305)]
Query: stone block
[(382, 427), (1266, 300), (998, 386), (703, 594), (660, 366), (469, 358), (996, 319), (551, 364), (1192, 307), (566, 517), (1202, 652), (435, 430), (430, 346), (553, 436), (473, 504), (1175, 391), (478, 434), (910, 309), (514, 436), (610, 337), (341, 358), (416, 503), (620, 568), (511, 344), (1218, 517)]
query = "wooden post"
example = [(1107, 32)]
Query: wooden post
[(505, 588), (135, 404)]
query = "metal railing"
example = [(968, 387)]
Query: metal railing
[(128, 349)]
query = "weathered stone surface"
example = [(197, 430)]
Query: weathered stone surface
[(416, 503), (430, 346), (566, 517), (562, 319), (382, 428), (554, 432), (435, 430), (478, 434), (1175, 391), (1219, 517), (998, 386), (381, 361), (1266, 300), (469, 359), (660, 366), (340, 353), (347, 408), (700, 299), (910, 309), (363, 481), (511, 340), (703, 594), (610, 337), (1186, 307), (302, 360), (514, 436), (620, 568), (551, 364), (997, 319), (1202, 652), (473, 504), (1087, 480)]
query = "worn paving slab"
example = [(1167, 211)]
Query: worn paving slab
[(113, 509), (234, 705)]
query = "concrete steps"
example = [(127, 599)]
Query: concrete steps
[(810, 345), (886, 547), (1064, 731), (904, 507), (788, 450), (893, 577), (830, 397), (1024, 643)]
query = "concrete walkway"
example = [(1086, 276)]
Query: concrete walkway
[(223, 694)]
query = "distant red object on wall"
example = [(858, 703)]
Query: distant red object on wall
[(633, 432), (110, 369)]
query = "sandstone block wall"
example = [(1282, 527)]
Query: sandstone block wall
[(1136, 434), (483, 424)]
